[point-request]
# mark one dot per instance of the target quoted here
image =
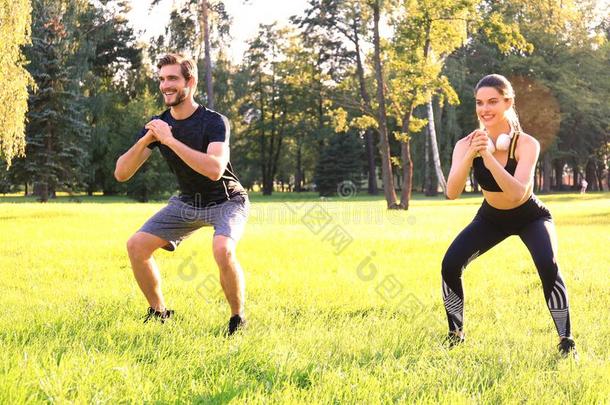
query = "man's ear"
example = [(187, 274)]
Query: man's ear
[(192, 84)]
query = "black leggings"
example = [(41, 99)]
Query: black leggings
[(533, 223)]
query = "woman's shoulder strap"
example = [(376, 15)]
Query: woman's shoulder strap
[(513, 145)]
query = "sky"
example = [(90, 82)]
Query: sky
[(246, 18)]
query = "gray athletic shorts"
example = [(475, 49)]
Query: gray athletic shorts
[(178, 220)]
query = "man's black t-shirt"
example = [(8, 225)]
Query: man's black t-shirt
[(197, 132)]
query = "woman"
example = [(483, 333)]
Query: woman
[(503, 159)]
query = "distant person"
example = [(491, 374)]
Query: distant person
[(583, 186), (195, 143), (503, 159)]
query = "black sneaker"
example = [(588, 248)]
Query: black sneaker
[(567, 348), (453, 339), (161, 316), (236, 323)]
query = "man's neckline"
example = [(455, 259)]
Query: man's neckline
[(199, 106)]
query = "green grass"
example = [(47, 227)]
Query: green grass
[(325, 327)]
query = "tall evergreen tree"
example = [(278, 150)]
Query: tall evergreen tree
[(340, 165), (109, 65)]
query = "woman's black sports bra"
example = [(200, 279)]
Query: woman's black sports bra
[(484, 177)]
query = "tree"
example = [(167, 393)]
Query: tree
[(339, 29), (339, 163), (205, 27), (285, 106), (267, 103), (309, 128), (351, 20), (14, 33), (382, 118), (551, 72), (426, 34), (56, 133), (110, 72)]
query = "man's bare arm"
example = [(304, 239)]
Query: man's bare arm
[(129, 162)]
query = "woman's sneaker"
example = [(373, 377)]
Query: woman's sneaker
[(567, 348), (454, 339)]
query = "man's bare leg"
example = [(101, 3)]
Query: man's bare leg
[(140, 248), (231, 274)]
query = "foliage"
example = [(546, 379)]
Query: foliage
[(14, 33)]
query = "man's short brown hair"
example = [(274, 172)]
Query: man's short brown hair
[(188, 67)]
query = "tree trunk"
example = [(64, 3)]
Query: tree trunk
[(407, 174), (298, 173), (558, 165), (41, 190), (427, 171), (547, 167), (369, 139), (276, 136), (369, 136), (600, 174), (431, 182), (268, 185), (205, 26), (432, 188), (405, 158), (591, 175), (436, 160), (275, 157), (384, 142)]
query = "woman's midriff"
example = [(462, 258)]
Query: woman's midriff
[(497, 199)]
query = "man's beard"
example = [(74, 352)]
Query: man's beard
[(180, 97)]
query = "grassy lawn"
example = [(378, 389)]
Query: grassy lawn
[(344, 305)]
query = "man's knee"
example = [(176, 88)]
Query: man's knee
[(224, 252), (138, 248)]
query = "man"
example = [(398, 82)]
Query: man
[(195, 143)]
